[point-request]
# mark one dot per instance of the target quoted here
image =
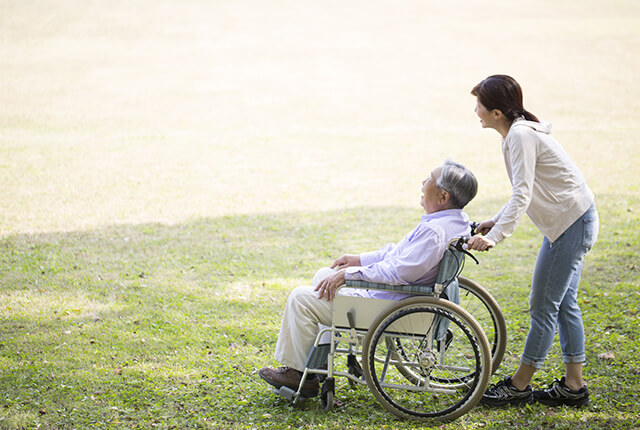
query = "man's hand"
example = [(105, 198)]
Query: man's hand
[(347, 260), (330, 284), (480, 243)]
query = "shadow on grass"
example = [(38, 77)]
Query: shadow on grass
[(133, 326)]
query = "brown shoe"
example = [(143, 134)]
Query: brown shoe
[(290, 378)]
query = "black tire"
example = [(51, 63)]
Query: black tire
[(327, 393), (435, 391)]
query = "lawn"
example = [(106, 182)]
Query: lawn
[(170, 170)]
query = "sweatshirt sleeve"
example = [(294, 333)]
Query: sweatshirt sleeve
[(520, 153)]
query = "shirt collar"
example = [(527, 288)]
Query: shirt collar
[(441, 214)]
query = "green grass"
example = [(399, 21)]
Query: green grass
[(138, 326), (169, 171)]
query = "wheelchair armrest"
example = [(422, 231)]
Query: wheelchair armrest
[(410, 289)]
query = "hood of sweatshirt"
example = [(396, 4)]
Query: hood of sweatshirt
[(541, 127)]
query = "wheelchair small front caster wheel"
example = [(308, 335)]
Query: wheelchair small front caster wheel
[(326, 395), (354, 369)]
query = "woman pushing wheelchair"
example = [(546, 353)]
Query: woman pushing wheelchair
[(548, 187)]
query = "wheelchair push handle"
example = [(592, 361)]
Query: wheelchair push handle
[(474, 226), (460, 243)]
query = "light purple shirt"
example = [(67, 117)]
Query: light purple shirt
[(413, 260)]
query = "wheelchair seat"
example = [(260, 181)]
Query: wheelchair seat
[(350, 312)]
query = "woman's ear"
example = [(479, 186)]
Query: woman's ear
[(497, 114)]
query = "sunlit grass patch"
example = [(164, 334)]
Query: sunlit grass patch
[(47, 303)]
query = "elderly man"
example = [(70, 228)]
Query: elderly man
[(413, 260)]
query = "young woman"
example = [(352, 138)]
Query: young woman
[(549, 187)]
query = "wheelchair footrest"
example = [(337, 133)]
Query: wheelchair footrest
[(287, 393)]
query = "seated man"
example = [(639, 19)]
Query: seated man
[(413, 260)]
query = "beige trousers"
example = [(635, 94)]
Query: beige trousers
[(303, 314)]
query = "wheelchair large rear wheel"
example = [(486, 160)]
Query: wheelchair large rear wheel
[(484, 308), (435, 359)]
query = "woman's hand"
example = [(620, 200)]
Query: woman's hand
[(480, 243), (345, 261), (330, 284), (485, 227)]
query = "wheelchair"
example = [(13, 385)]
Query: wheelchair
[(425, 357)]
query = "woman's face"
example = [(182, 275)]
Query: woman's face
[(486, 116)]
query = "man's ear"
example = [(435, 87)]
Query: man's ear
[(445, 198)]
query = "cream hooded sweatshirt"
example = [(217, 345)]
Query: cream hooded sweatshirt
[(546, 184)]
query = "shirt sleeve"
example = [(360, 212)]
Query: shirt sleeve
[(410, 261), (521, 152), (368, 258)]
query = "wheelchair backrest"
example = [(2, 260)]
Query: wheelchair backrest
[(450, 267)]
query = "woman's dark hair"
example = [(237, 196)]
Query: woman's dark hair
[(502, 92)]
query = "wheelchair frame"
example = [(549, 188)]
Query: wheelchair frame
[(438, 373)]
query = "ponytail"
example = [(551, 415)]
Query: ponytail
[(529, 116)]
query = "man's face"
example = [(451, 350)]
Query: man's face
[(430, 193)]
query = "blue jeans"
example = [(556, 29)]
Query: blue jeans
[(554, 293)]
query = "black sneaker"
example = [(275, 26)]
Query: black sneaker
[(504, 393), (559, 394)]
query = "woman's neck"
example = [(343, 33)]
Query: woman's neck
[(503, 127)]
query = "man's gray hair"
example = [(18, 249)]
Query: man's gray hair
[(459, 182)]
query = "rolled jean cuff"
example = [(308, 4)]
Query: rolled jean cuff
[(580, 358), (532, 363)]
